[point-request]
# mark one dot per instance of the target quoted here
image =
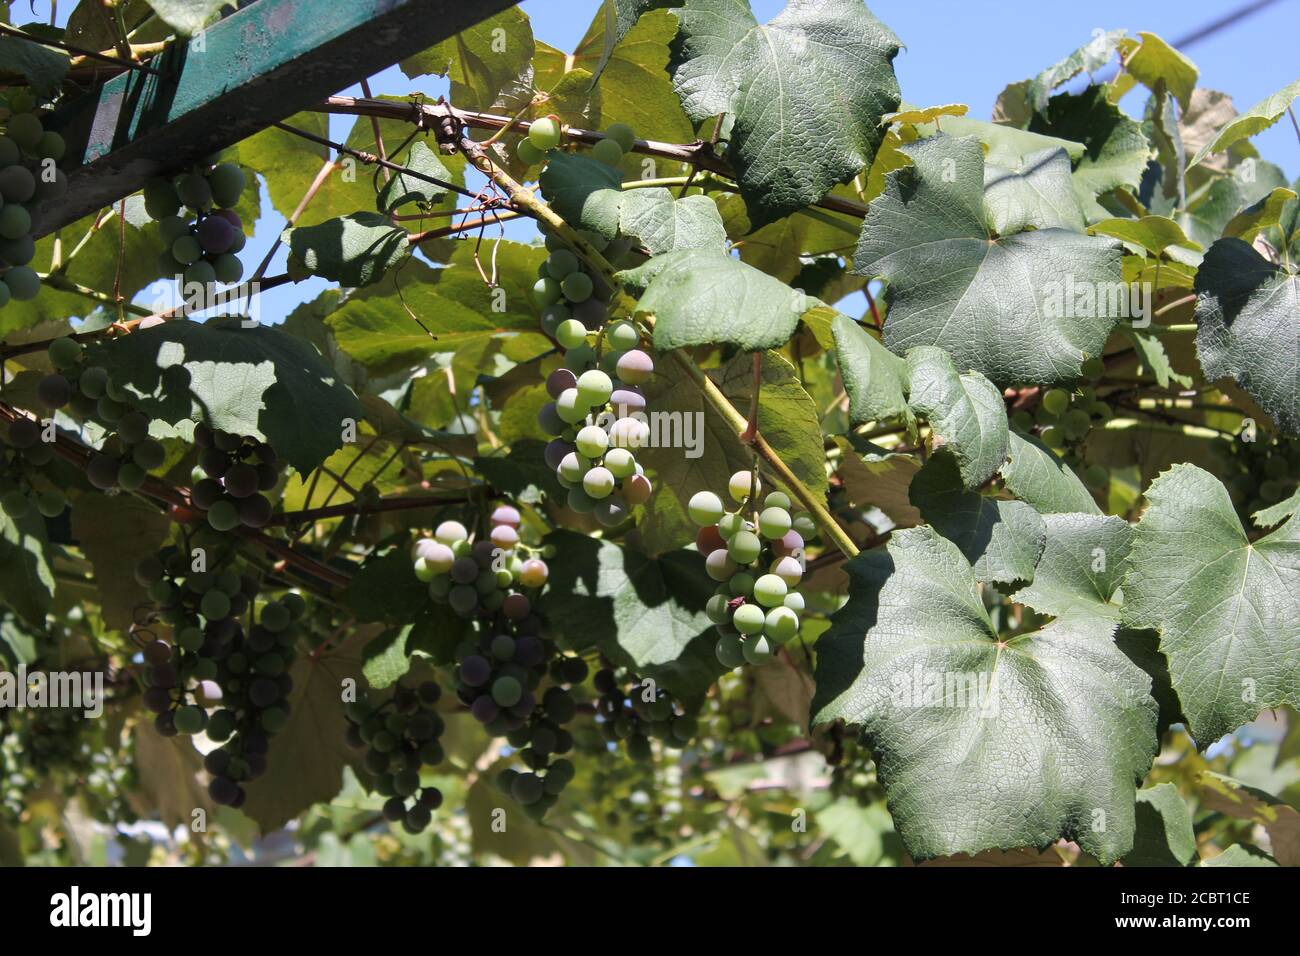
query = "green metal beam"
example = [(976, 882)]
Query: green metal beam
[(257, 66)]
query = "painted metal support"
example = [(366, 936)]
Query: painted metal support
[(253, 68)]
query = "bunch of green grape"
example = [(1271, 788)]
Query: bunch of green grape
[(21, 451), (197, 220), (29, 174), (399, 737), (634, 711), (87, 391), (1260, 473), (232, 474), (597, 423), (1065, 417), (758, 564), (215, 660), (546, 133)]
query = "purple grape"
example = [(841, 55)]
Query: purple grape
[(215, 235), (475, 670), (559, 380), (484, 709)]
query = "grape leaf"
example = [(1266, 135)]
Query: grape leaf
[(306, 759), (485, 61), (953, 284), (1117, 151), (1155, 234), (1081, 566), (664, 224), (403, 188), (43, 67), (1164, 834), (1248, 327), (1152, 62), (1208, 216), (188, 17), (1227, 609), (1280, 820), (874, 377), (258, 382), (805, 93), (1034, 474), (1239, 855), (1089, 58), (26, 580), (168, 770), (965, 412), (644, 613), (1255, 120), (115, 534), (354, 250), (881, 480), (703, 297), (1273, 514), (585, 191), (620, 17), (1001, 539), (1023, 739), (1038, 193)]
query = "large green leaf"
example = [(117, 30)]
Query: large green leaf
[(1164, 835), (306, 760), (644, 613), (1248, 327), (1255, 120), (257, 381), (1001, 539), (1028, 739), (485, 61), (419, 311), (805, 93), (404, 188), (874, 377), (1089, 58), (664, 224), (354, 250), (1155, 64), (26, 581), (1037, 193), (620, 17), (1227, 609), (965, 412), (585, 192), (1034, 474), (954, 284), (115, 534), (1081, 566), (188, 17), (704, 297), (43, 67)]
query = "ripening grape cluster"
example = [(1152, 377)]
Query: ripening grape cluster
[(1259, 473), (213, 658), (399, 736), (199, 226), (87, 391), (481, 577), (758, 564), (20, 451), (232, 473), (545, 134), (29, 174), (634, 711), (1065, 417)]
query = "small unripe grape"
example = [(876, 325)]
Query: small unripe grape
[(790, 543), (622, 336), (17, 184), (506, 515), (806, 527), (578, 500), (1056, 400), (130, 476), (15, 504), (594, 387), (729, 524), (528, 154), (774, 522), (549, 420), (1053, 437), (740, 485), (545, 133), (1093, 368), (781, 624), (576, 286), (629, 433), (561, 263), (744, 547), (449, 532), (15, 221), (770, 590), (226, 182), (611, 511), (719, 566), (573, 467), (504, 536), (506, 691), (571, 334), (546, 291), (64, 353), (463, 599), (622, 134), (607, 151), (635, 367), (748, 618), (1095, 476), (794, 601), (788, 569), (598, 482), (705, 508), (730, 651), (591, 441), (709, 540), (741, 584), (637, 490), (54, 390), (102, 470), (718, 609), (570, 408), (534, 573), (50, 504), (758, 649), (620, 462)]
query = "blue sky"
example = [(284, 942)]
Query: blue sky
[(956, 52)]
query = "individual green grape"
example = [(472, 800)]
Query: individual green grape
[(594, 387), (1056, 400), (591, 440), (545, 133), (528, 153), (758, 649), (576, 286), (561, 263), (620, 462), (774, 522), (770, 590), (571, 333), (598, 482), (607, 151), (781, 624), (748, 619), (718, 609), (741, 584), (622, 134), (546, 291), (744, 547), (730, 651), (705, 508), (719, 566), (224, 515), (622, 336)]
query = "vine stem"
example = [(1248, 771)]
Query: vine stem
[(524, 199)]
